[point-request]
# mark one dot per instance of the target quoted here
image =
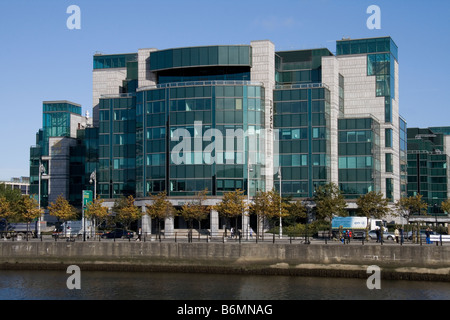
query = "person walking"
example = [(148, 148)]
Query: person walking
[(427, 235), (397, 234), (377, 232)]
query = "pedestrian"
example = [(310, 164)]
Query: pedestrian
[(251, 232), (377, 232), (232, 233), (344, 236), (350, 234), (397, 234), (139, 234), (427, 235)]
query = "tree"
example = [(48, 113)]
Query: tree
[(445, 205), (296, 211), (278, 208), (62, 210), (96, 211), (233, 205), (268, 205), (410, 205), (195, 210), (160, 209), (373, 205), (126, 211), (5, 212), (30, 210), (329, 201), (13, 197)]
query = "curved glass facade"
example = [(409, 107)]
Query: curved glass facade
[(201, 57), (194, 136)]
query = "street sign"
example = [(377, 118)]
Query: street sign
[(87, 197)]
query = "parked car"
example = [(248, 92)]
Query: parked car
[(386, 235), (422, 234), (118, 233)]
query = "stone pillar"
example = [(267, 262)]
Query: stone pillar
[(214, 216), (169, 227), (245, 226), (146, 223)]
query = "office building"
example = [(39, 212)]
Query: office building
[(428, 163), (243, 117)]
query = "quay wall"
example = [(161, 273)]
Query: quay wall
[(411, 262)]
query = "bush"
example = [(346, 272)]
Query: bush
[(299, 229)]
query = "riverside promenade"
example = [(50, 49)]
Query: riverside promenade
[(282, 257)]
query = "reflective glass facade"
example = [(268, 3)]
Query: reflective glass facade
[(198, 117), (302, 116), (113, 61), (202, 117), (56, 121), (359, 156), (428, 166), (201, 57), (372, 45), (117, 147)]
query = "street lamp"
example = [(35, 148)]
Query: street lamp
[(435, 215), (281, 199), (309, 204), (93, 178), (249, 169), (41, 173)]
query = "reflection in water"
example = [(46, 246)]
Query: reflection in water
[(51, 285)]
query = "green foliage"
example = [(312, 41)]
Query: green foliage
[(160, 208), (373, 205), (329, 201), (445, 205), (233, 205), (195, 209), (30, 209), (126, 211), (411, 205), (14, 198), (301, 229), (62, 210)]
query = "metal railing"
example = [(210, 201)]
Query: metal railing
[(205, 236), (201, 83)]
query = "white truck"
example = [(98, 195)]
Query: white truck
[(357, 225)]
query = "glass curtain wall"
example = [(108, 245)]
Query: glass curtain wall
[(359, 152), (183, 131), (117, 147), (302, 115)]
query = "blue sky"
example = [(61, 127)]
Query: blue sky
[(43, 60)]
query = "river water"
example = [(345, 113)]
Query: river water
[(52, 285)]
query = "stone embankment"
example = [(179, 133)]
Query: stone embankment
[(408, 262)]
